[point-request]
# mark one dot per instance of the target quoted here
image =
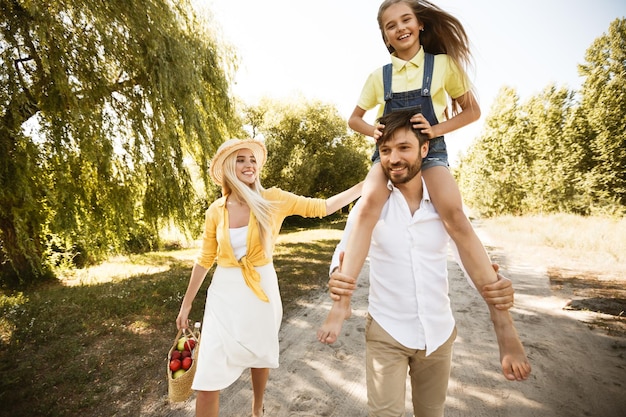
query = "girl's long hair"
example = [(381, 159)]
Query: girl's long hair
[(442, 34), (259, 206)]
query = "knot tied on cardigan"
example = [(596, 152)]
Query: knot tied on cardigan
[(252, 278)]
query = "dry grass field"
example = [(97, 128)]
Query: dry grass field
[(584, 257)]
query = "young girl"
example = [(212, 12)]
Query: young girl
[(243, 308), (429, 51)]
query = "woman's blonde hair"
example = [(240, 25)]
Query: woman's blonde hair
[(259, 206)]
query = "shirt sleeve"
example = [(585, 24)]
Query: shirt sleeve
[(292, 204), (208, 253), (456, 82), (457, 258), (372, 93)]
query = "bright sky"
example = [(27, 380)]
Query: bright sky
[(325, 49)]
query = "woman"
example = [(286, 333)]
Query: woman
[(243, 308)]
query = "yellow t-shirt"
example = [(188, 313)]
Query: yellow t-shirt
[(448, 81)]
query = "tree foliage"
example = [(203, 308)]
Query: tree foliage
[(103, 104), (310, 150), (604, 106), (495, 164), (561, 151)]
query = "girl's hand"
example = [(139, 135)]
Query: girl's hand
[(378, 131), (420, 123)]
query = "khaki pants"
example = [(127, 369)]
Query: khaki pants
[(387, 362)]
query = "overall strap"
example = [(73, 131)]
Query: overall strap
[(429, 63), (387, 70)]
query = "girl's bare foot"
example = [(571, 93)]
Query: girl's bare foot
[(515, 365), (329, 332)]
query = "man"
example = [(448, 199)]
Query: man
[(410, 323)]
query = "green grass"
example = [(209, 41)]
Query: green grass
[(71, 350), (97, 344)]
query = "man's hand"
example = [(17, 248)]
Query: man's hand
[(340, 284), (500, 294)]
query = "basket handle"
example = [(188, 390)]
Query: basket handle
[(187, 332)]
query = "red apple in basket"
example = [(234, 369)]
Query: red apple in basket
[(175, 365), (175, 355), (189, 344), (187, 363), (185, 354)]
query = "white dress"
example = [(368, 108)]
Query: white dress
[(239, 331)]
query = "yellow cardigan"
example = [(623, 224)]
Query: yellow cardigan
[(216, 245)]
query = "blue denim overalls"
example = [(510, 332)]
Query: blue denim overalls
[(437, 153)]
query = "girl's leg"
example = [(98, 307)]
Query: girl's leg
[(446, 197), (374, 196), (207, 403), (259, 381)]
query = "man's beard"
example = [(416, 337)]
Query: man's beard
[(412, 171)]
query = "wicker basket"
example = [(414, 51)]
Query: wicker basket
[(179, 389)]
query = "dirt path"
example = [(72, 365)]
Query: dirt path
[(577, 371)]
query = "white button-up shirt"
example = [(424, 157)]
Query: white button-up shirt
[(408, 293)]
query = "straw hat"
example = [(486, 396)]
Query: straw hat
[(216, 169)]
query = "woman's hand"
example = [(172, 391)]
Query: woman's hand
[(182, 321)]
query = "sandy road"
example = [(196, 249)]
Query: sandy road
[(577, 371)]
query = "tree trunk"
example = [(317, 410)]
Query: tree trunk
[(21, 251), (19, 268)]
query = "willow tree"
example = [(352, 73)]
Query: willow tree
[(103, 106)]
